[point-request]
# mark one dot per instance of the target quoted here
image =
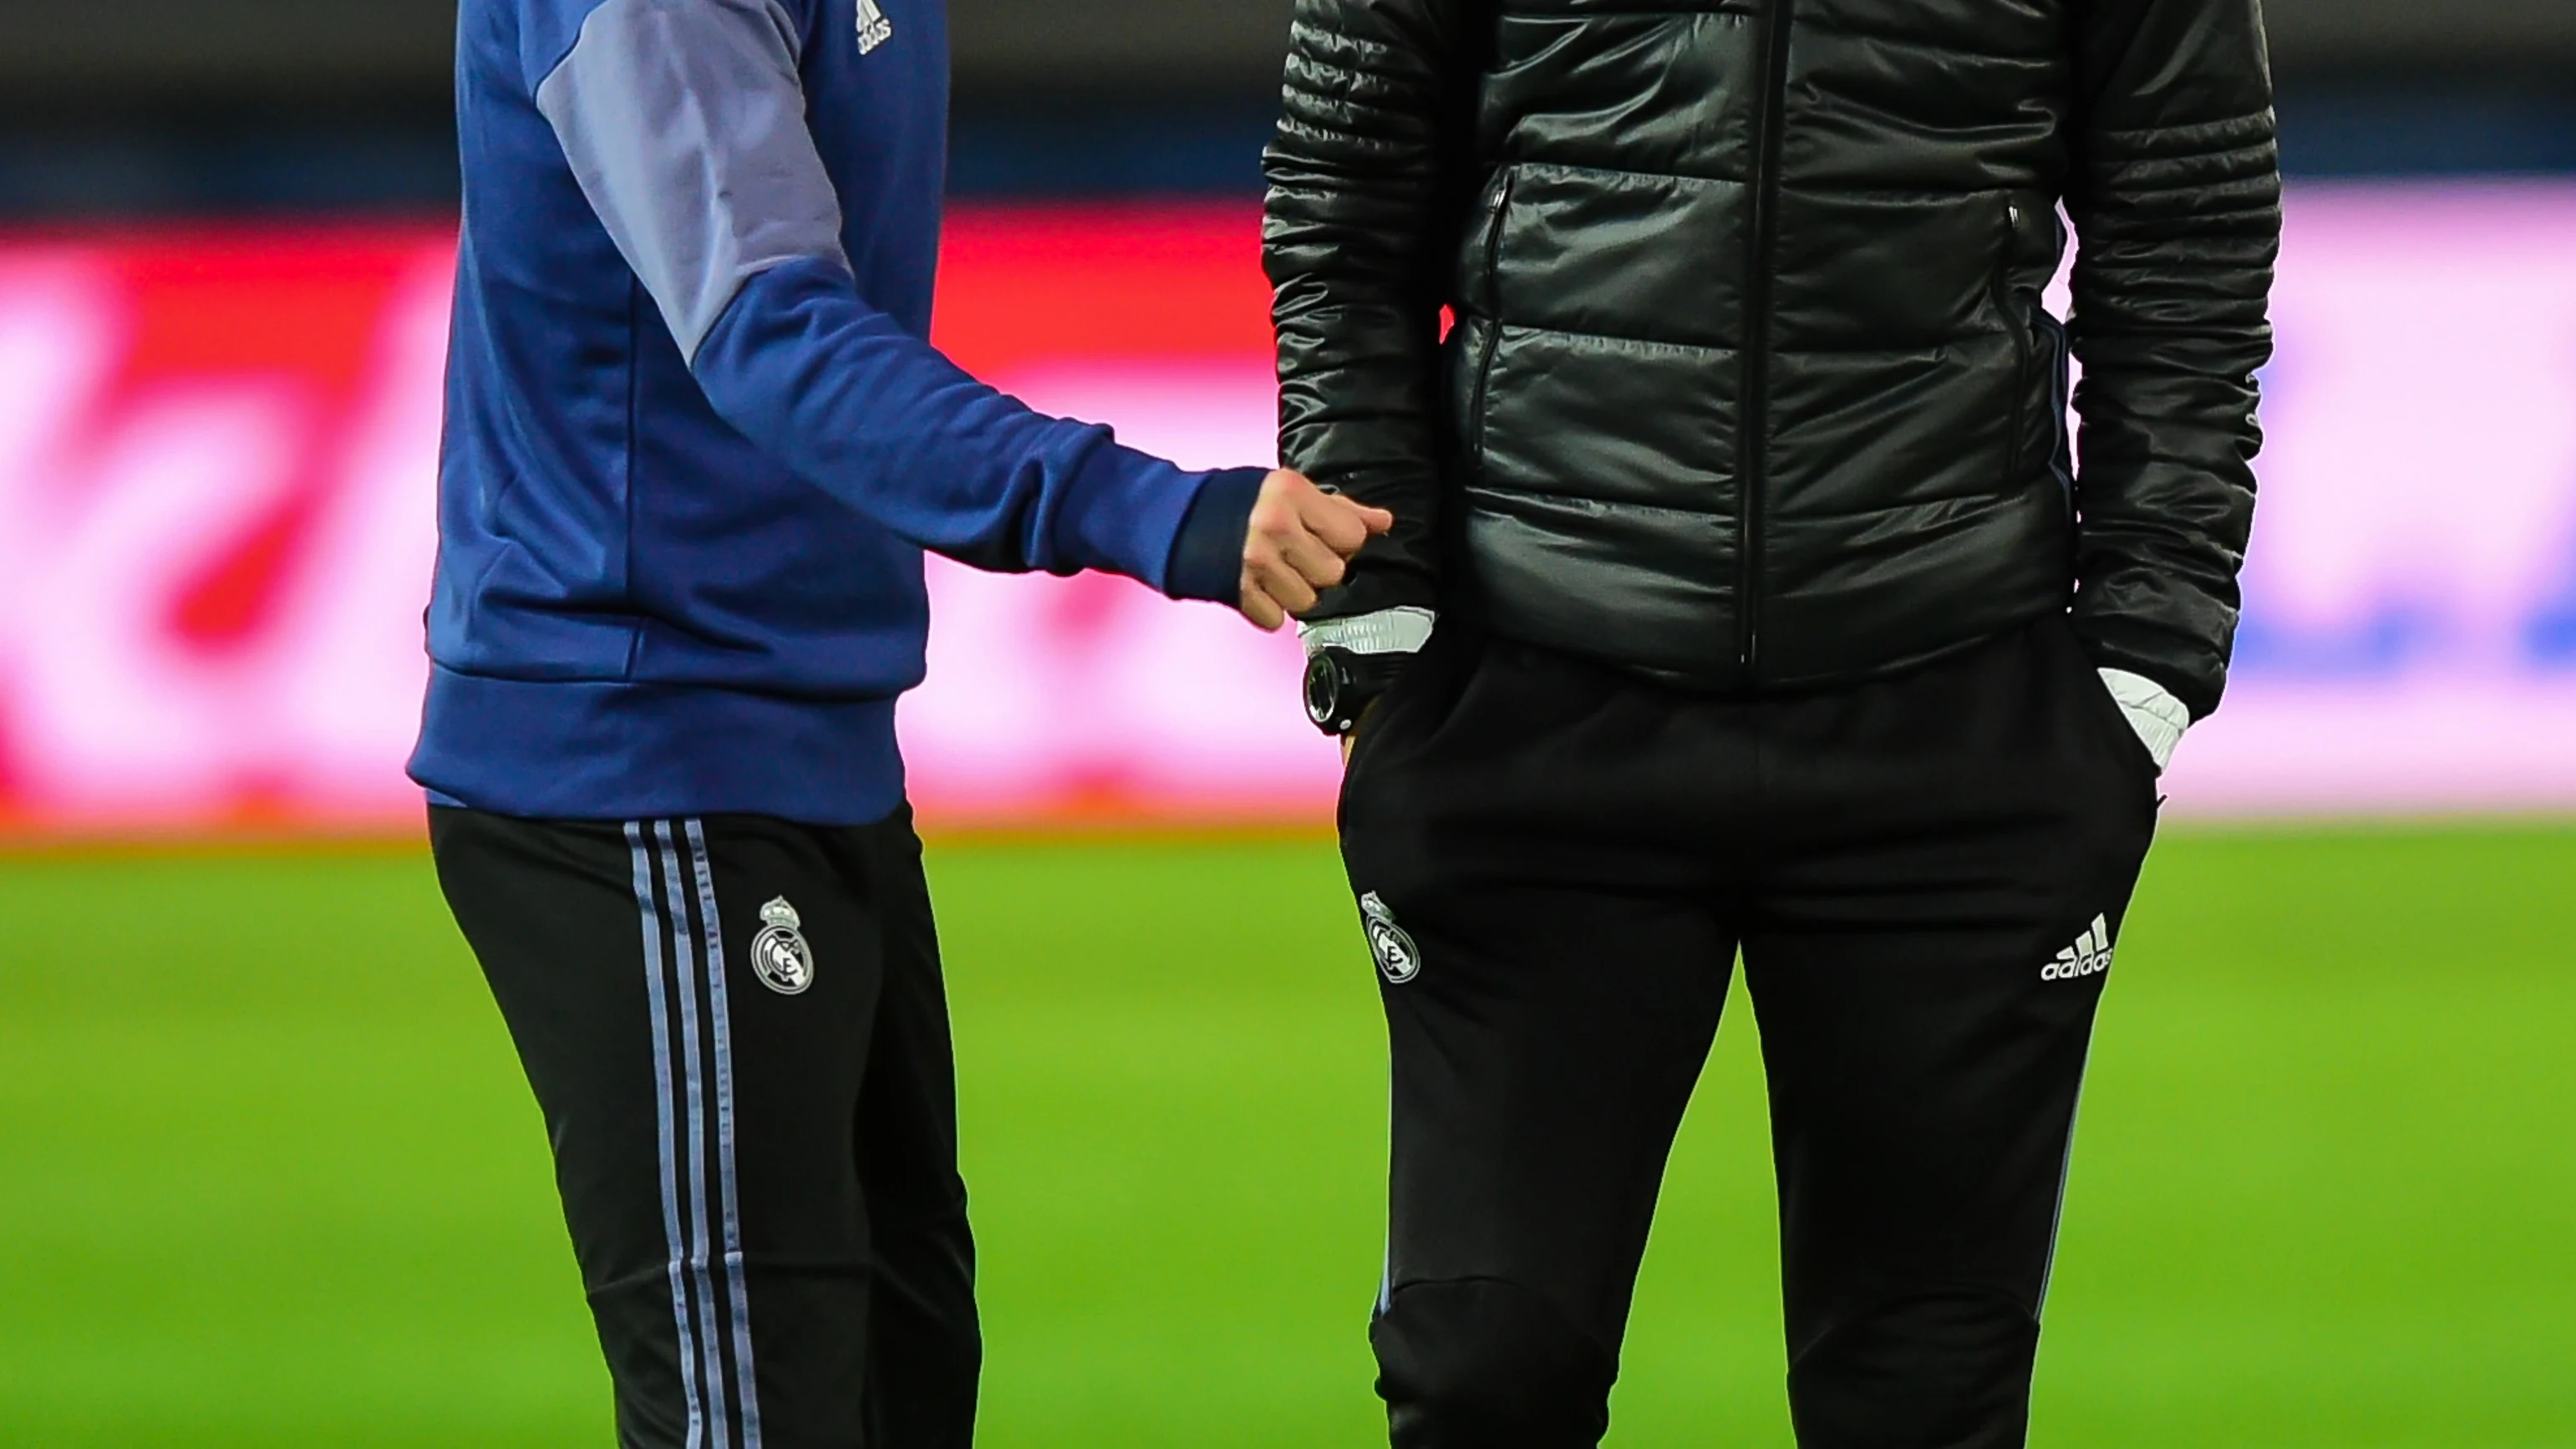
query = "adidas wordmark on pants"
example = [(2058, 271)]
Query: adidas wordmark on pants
[(2089, 956)]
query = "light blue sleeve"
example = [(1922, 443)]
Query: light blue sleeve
[(684, 121)]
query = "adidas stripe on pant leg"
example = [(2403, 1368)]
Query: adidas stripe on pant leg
[(736, 1031)]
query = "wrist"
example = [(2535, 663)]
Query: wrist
[(1352, 660), (1341, 685)]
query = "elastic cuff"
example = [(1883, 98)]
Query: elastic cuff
[(1401, 630), (1207, 554)]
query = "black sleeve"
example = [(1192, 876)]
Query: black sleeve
[(1365, 180), (2176, 199)]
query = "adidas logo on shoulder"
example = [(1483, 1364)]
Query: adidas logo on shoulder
[(874, 28), (2089, 956)]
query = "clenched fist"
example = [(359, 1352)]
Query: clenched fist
[(1300, 542)]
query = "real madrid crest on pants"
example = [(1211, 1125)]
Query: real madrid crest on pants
[(779, 955), (1397, 960)]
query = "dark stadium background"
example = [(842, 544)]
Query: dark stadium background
[(268, 1177), (157, 107)]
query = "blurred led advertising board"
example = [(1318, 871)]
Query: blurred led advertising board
[(217, 455)]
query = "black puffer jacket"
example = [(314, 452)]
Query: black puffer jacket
[(1750, 385)]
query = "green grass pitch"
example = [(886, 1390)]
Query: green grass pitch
[(269, 1177)]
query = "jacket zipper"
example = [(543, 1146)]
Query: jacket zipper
[(2061, 456), (1753, 460), (1491, 305), (2018, 318)]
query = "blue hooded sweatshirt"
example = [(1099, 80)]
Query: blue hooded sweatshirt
[(696, 439)]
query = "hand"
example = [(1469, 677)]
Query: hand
[(2157, 718), (1300, 543)]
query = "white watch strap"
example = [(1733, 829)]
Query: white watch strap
[(2151, 709), (1388, 631)]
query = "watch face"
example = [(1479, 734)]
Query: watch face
[(1323, 689)]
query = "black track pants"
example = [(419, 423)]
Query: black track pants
[(1559, 865), (737, 1032)]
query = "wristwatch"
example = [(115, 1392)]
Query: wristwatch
[(1340, 685)]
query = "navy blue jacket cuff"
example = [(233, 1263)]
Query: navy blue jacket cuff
[(1207, 554)]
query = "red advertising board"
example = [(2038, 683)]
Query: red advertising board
[(217, 462)]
